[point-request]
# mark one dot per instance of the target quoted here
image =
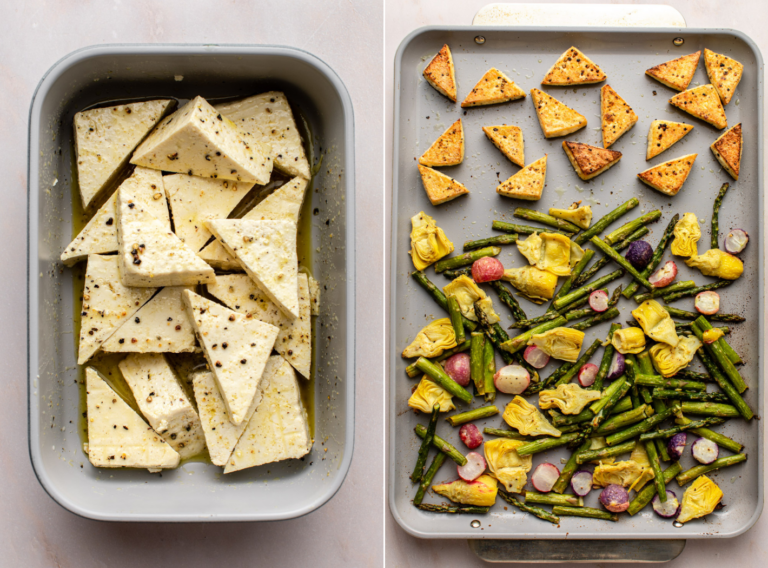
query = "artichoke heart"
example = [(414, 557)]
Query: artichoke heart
[(577, 253), (656, 322), (579, 216), (538, 285), (480, 492), (548, 251), (526, 419), (623, 473), (687, 233), (427, 394), (506, 466), (598, 443), (640, 457), (570, 398), (628, 340), (668, 360), (699, 499), (562, 343), (712, 335), (718, 264), (428, 241), (467, 293), (432, 340)]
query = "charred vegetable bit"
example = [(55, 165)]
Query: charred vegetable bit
[(421, 461), (491, 241), (632, 226), (427, 478), (438, 296), (544, 219), (644, 497), (453, 510), (657, 256), (535, 511), (684, 314), (694, 472), (521, 229), (603, 222), (585, 512), (465, 259), (474, 414), (453, 274), (716, 215), (672, 296), (442, 445)]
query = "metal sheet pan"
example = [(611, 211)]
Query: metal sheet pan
[(196, 491), (525, 54)]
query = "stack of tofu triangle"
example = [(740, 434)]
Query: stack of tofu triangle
[(200, 161)]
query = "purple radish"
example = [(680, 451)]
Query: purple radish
[(587, 374), (512, 379), (669, 508), (581, 482), (704, 451), (457, 367), (544, 477), (736, 241), (639, 254), (535, 357), (617, 367), (615, 498), (598, 300), (676, 445), (474, 468), (471, 436)]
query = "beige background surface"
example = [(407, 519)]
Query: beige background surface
[(402, 17), (35, 531)]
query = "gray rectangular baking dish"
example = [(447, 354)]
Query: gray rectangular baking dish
[(525, 55), (196, 491)]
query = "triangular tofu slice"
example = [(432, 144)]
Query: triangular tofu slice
[(724, 73), (528, 183), (160, 326), (441, 75), (676, 74), (703, 102), (448, 150), (294, 342), (267, 252), (194, 200), (508, 139), (493, 88), (268, 117), (198, 140), (439, 187), (150, 254), (616, 116), (220, 434), (590, 161), (117, 436), (107, 304), (163, 402), (105, 138), (99, 236), (237, 349), (555, 118), (663, 134), (282, 204), (727, 150), (573, 68), (279, 429), (669, 177)]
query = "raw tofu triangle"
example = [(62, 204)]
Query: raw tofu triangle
[(616, 116), (279, 429), (107, 304), (493, 88), (590, 161), (573, 68), (105, 138), (151, 255), (439, 187), (160, 326), (724, 73), (441, 74), (508, 139), (663, 134), (676, 74), (267, 252), (99, 236), (117, 436), (528, 183), (237, 348), (448, 150), (727, 150), (669, 177), (703, 102), (555, 118)]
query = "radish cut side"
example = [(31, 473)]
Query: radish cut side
[(598, 300), (704, 451), (587, 374), (474, 468), (535, 357), (707, 303), (512, 379), (667, 509), (581, 482), (544, 477)]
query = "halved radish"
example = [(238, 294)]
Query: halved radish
[(512, 379), (581, 482), (664, 276), (669, 508), (704, 451), (587, 374), (736, 241), (474, 468), (598, 300), (544, 477), (535, 357), (617, 367), (615, 498), (471, 436), (707, 303)]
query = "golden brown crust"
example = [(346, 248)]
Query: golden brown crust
[(616, 116), (508, 139), (573, 68), (727, 150), (669, 177), (663, 134), (702, 102), (448, 150), (528, 183), (493, 88), (441, 74), (724, 73), (676, 74), (439, 187), (589, 161), (555, 118)]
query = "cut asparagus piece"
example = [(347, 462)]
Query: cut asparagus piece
[(453, 274), (439, 376), (605, 362), (602, 413), (521, 229), (586, 512), (658, 476), (694, 472), (684, 314), (442, 445), (575, 273), (491, 241), (454, 311), (489, 370), (621, 261), (465, 259), (535, 511), (690, 395), (413, 372), (553, 499), (658, 254), (710, 409), (474, 414), (629, 228), (476, 371), (669, 432), (628, 418), (722, 381), (438, 296), (603, 453), (657, 381), (427, 478), (603, 223), (544, 219), (583, 360), (716, 437), (570, 468), (587, 275), (666, 291), (716, 352), (586, 290), (510, 434), (421, 460), (672, 296), (520, 341), (452, 510), (728, 351), (545, 444), (715, 232), (508, 299), (597, 319)]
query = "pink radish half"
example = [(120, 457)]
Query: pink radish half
[(512, 379), (598, 300), (544, 477), (587, 374), (704, 451), (664, 276), (581, 482), (474, 467), (535, 357), (707, 303)]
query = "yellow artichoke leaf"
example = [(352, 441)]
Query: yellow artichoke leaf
[(640, 457), (598, 443), (623, 473), (432, 340), (531, 248), (570, 398), (428, 242), (656, 322), (526, 419), (480, 492), (687, 233), (628, 340), (700, 499), (718, 264), (562, 343), (505, 465), (577, 253), (548, 251), (427, 394), (467, 293), (668, 360), (579, 216), (537, 285)]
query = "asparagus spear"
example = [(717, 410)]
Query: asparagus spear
[(645, 366), (621, 261), (413, 372), (684, 314), (587, 275), (669, 432), (686, 328), (474, 414), (597, 319), (549, 316), (690, 395), (543, 218), (577, 270), (619, 421), (603, 453), (689, 375), (658, 381), (629, 228), (710, 409), (604, 411), (438, 296), (718, 438), (716, 351), (508, 299), (519, 341), (640, 428), (570, 468), (476, 353), (465, 259), (585, 290), (715, 233), (553, 499), (583, 360), (671, 297), (442, 445), (694, 472), (658, 253), (658, 476), (439, 376), (663, 292), (702, 323), (453, 274), (535, 511), (455, 312), (427, 478), (421, 460), (602, 223), (489, 369), (453, 510), (504, 434), (491, 241), (605, 362), (586, 512), (521, 229), (545, 444), (607, 394), (646, 494), (558, 419)]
